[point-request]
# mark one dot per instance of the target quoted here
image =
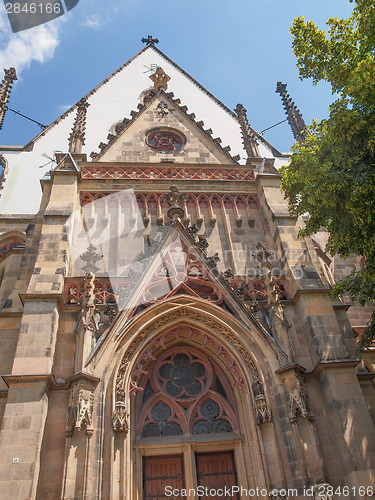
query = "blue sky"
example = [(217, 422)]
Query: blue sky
[(237, 49)]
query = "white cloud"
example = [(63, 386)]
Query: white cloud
[(94, 21), (64, 107), (97, 21), (19, 50)]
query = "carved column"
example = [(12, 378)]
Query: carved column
[(261, 409), (3, 170), (79, 429), (303, 428), (227, 228), (87, 327), (275, 308), (120, 413)]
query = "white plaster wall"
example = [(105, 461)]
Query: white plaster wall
[(112, 102), (22, 191)]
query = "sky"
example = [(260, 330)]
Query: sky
[(237, 49)]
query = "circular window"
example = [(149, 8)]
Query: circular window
[(183, 375), (184, 392), (169, 141)]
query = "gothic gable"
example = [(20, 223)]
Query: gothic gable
[(162, 131), (180, 265)]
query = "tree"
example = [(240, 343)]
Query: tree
[(331, 176)]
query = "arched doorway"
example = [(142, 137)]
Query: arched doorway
[(233, 355), (186, 423)]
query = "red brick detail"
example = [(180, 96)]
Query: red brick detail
[(132, 172)]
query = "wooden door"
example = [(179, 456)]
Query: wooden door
[(216, 471), (160, 472)]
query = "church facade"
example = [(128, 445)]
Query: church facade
[(164, 332)]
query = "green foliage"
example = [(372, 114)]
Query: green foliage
[(360, 287), (331, 176)]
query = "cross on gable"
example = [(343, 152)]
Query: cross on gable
[(149, 40)]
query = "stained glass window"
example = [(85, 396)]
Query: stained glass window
[(165, 140), (185, 392)]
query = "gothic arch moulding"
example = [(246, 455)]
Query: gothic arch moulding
[(11, 240), (188, 325)]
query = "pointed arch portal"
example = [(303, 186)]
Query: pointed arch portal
[(189, 395), (183, 396)]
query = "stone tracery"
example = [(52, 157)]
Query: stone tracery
[(185, 392), (183, 335)]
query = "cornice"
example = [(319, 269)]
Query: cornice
[(332, 364)]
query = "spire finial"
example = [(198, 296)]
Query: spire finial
[(77, 135), (149, 40), (295, 119), (5, 88), (248, 137)]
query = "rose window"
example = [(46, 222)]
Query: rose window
[(182, 376), (185, 392), (165, 140)]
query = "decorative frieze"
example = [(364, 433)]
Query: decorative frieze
[(118, 289), (248, 200), (147, 172)]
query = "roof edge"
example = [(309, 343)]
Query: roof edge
[(199, 85), (29, 146)]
